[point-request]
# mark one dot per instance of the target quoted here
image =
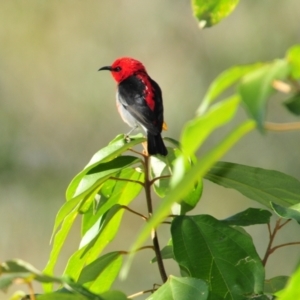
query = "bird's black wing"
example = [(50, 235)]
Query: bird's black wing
[(131, 96)]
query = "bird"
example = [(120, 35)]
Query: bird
[(139, 101)]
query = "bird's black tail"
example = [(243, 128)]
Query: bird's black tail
[(156, 145)]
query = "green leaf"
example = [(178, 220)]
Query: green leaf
[(250, 216), (275, 284), (209, 13), (190, 201), (113, 150), (112, 192), (293, 104), (182, 188), (161, 166), (198, 129), (292, 212), (256, 87), (101, 171), (179, 288), (99, 275), (291, 291), (166, 253), (106, 233), (293, 57), (58, 243), (225, 80), (261, 185), (218, 254)]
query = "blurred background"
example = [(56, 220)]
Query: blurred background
[(56, 110)]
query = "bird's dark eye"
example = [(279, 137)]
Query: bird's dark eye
[(117, 69)]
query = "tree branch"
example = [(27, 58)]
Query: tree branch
[(147, 186), (134, 212), (282, 126), (127, 180)]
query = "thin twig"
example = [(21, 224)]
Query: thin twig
[(283, 245), (31, 291), (158, 178), (134, 212), (141, 293), (127, 180), (147, 187), (269, 229), (136, 152), (284, 223), (139, 249), (282, 126), (272, 236)]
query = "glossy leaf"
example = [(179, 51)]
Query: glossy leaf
[(209, 13), (293, 57), (106, 233), (292, 212), (291, 291), (186, 184), (293, 104), (99, 275), (190, 201), (179, 288), (113, 192), (58, 243), (102, 171), (108, 153), (224, 81), (261, 185), (199, 128), (275, 284), (256, 87), (250, 216), (226, 259)]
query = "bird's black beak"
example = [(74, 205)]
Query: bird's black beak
[(109, 68)]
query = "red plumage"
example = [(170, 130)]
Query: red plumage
[(139, 100)]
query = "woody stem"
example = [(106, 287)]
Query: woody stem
[(154, 237)]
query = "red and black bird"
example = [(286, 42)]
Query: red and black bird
[(139, 101)]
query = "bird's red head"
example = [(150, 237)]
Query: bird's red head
[(124, 67)]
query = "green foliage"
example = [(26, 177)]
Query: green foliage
[(212, 12), (217, 258)]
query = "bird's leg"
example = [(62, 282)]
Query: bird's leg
[(126, 136)]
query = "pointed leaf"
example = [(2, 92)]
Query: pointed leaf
[(261, 185), (99, 275), (113, 150), (275, 284), (178, 288), (250, 216), (256, 87), (225, 80), (291, 291), (209, 13), (103, 170), (198, 129), (292, 212), (293, 57), (212, 251)]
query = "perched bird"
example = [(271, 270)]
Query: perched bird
[(139, 101)]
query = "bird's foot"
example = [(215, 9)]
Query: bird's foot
[(127, 138)]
